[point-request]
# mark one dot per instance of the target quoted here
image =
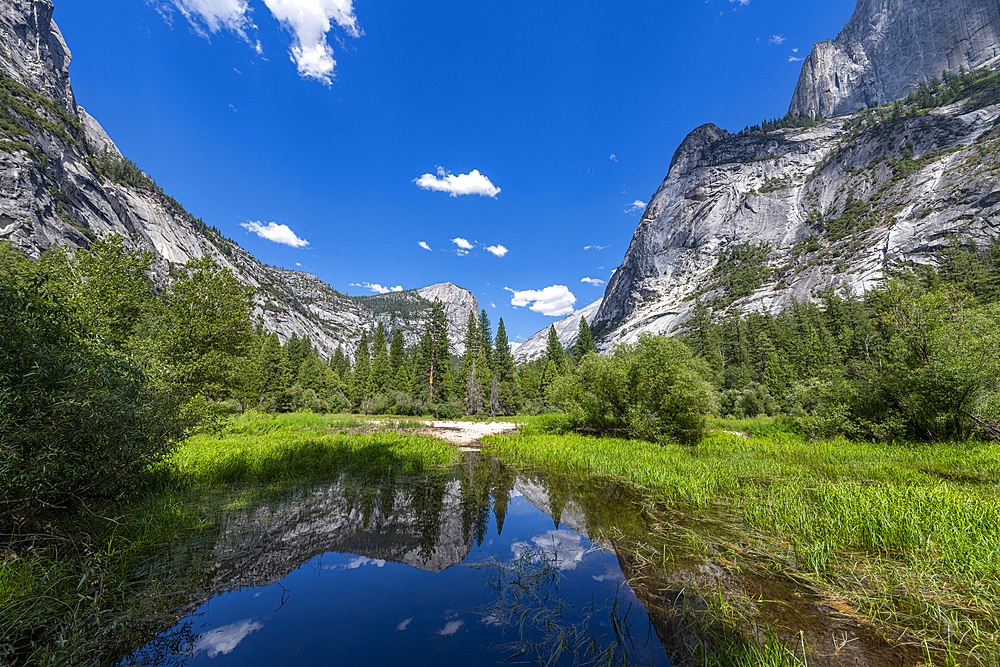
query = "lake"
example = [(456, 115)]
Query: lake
[(478, 565)]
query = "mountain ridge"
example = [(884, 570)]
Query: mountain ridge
[(57, 186), (757, 220)]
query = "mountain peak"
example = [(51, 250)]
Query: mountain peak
[(889, 47)]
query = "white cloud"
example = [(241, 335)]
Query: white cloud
[(613, 158), (596, 282), (462, 243), (423, 244), (309, 21), (402, 626), (555, 300), (211, 16), (776, 39), (375, 287), (472, 183), (742, 3), (594, 247), (795, 50), (450, 628), (793, 59), (497, 250), (223, 640), (636, 207), (492, 305), (272, 231)]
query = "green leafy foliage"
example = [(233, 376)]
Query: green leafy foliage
[(651, 390), (76, 419)]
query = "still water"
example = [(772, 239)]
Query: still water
[(479, 566)]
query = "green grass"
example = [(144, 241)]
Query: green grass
[(909, 534)]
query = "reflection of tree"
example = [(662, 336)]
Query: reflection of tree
[(428, 501), (476, 477), (559, 494), (503, 484)]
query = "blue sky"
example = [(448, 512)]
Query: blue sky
[(511, 140)]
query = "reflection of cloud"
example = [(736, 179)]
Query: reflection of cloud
[(405, 624), (491, 620), (355, 563), (564, 548), (611, 576), (223, 640), (450, 628)]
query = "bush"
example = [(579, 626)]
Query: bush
[(76, 419), (652, 390)]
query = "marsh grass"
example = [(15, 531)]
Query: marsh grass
[(908, 534), (100, 579)]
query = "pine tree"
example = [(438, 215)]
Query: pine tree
[(362, 368), (473, 395), (379, 377), (434, 366), (584, 340), (505, 373), (473, 339), (485, 339), (554, 351), (340, 364), (397, 352)]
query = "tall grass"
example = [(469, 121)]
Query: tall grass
[(909, 534)]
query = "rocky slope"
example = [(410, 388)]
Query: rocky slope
[(751, 221), (63, 181), (890, 46), (568, 330)]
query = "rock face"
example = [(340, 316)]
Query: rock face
[(890, 46), (755, 220), (53, 191), (568, 330)]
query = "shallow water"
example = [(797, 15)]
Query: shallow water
[(476, 567)]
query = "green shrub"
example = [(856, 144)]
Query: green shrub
[(652, 390), (76, 419)]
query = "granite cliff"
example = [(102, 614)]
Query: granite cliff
[(754, 220), (63, 181), (889, 47)]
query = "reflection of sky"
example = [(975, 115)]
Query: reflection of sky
[(223, 640), (450, 628), (564, 548), (355, 563)]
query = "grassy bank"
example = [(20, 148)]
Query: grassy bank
[(907, 535), (96, 579)]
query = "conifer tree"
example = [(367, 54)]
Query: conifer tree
[(397, 352), (434, 366), (584, 340), (554, 351), (485, 339), (340, 364), (505, 373), (379, 376), (362, 368)]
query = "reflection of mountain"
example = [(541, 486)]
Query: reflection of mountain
[(417, 522)]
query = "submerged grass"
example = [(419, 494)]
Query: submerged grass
[(94, 581), (908, 534)]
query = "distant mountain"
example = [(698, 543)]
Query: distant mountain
[(776, 213), (63, 180)]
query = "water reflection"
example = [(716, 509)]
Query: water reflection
[(352, 572)]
